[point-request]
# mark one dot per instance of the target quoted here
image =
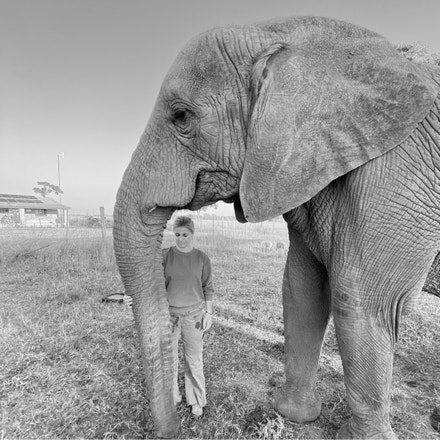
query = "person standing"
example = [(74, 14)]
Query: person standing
[(188, 282)]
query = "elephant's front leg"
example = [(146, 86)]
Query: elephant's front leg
[(306, 313)]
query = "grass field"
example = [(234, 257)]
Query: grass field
[(70, 366)]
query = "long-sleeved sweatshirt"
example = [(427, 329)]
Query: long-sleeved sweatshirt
[(188, 278)]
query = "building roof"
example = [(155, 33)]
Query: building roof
[(15, 201)]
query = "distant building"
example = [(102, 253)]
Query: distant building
[(24, 210)]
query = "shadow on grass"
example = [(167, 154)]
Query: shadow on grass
[(72, 369)]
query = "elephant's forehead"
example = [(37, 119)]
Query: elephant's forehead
[(198, 67)]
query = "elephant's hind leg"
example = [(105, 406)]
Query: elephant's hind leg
[(366, 349), (386, 241), (367, 308), (306, 314)]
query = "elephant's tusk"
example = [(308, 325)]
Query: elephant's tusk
[(152, 209)]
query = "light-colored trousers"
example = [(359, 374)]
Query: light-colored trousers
[(189, 327)]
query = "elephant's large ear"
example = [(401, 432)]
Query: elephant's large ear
[(321, 109)]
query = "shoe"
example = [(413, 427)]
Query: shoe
[(197, 410)]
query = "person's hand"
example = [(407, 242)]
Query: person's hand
[(206, 321), (128, 300)]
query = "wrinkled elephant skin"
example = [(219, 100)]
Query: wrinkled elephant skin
[(328, 125)]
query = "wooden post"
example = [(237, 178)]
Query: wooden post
[(67, 220), (102, 215)]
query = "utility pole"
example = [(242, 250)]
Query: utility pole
[(59, 172)]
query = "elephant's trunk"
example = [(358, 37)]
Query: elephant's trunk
[(137, 242)]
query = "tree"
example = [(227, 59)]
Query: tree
[(46, 188)]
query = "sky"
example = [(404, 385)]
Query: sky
[(80, 77)]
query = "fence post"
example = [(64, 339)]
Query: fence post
[(103, 228), (67, 220)]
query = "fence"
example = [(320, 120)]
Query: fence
[(96, 223), (91, 218), (100, 219)]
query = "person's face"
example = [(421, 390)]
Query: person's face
[(184, 238)]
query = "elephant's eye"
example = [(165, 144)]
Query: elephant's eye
[(182, 119), (180, 116)]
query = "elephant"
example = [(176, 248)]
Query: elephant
[(325, 123)]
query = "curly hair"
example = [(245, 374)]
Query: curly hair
[(184, 222)]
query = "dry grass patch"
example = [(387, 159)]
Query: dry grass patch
[(70, 366)]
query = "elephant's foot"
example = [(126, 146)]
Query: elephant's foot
[(170, 431), (298, 408), (352, 431)]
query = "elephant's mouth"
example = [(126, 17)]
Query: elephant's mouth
[(214, 186)]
